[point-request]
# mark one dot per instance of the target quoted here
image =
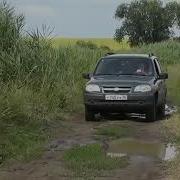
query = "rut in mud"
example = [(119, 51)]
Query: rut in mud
[(141, 142)]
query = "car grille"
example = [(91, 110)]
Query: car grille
[(116, 90)]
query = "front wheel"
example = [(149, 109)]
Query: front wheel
[(151, 114), (162, 111), (89, 114)]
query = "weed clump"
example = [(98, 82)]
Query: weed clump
[(90, 160)]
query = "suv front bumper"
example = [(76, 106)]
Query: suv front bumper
[(136, 103)]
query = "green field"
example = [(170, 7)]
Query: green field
[(111, 43)]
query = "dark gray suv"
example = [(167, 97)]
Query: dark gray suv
[(126, 83)]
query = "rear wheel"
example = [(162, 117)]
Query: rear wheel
[(89, 114), (151, 115)]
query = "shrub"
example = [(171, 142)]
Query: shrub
[(86, 44), (10, 27), (105, 48), (91, 159)]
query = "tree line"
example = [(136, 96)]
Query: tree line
[(147, 21)]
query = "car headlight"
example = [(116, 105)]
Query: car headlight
[(143, 88), (92, 88)]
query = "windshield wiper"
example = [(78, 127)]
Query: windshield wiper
[(105, 74), (125, 74), (121, 75), (132, 75)]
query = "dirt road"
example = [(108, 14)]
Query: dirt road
[(144, 147)]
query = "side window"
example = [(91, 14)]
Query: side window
[(159, 67)]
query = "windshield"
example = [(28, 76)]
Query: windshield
[(133, 66)]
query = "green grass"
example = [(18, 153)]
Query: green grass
[(90, 160), (172, 134), (25, 141), (43, 86), (115, 132), (111, 43), (21, 125), (174, 83)]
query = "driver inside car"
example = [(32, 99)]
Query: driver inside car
[(142, 69)]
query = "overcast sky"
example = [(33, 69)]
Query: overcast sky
[(71, 18)]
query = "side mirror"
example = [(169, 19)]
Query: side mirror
[(163, 76), (87, 75)]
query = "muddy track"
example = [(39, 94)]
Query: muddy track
[(79, 132)]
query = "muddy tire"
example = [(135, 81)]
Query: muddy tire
[(89, 114), (151, 115), (161, 111)]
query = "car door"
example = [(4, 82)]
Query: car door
[(160, 83)]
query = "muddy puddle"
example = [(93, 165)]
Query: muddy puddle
[(136, 148), (169, 110)]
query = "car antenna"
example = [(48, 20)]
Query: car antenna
[(151, 54)]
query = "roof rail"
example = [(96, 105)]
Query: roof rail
[(109, 53)]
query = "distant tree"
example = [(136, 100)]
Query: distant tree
[(147, 21), (177, 6)]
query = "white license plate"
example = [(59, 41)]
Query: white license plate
[(116, 97)]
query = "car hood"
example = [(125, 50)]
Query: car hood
[(122, 80)]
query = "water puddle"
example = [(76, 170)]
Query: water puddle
[(133, 147), (170, 153), (170, 110)]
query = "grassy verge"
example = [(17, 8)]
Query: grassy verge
[(26, 142), (174, 83), (172, 133), (172, 126), (38, 84), (39, 96), (91, 160), (114, 132)]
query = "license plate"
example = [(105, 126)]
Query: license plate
[(116, 97)]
